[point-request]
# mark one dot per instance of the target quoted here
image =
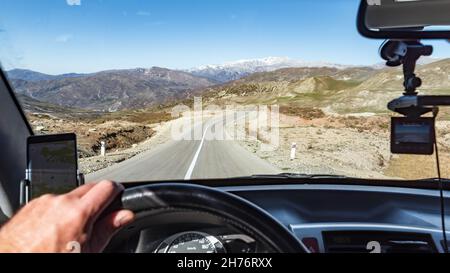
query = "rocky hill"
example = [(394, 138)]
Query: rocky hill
[(115, 90), (239, 69), (33, 76), (343, 91), (39, 108), (302, 73)]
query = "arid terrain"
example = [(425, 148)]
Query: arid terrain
[(123, 133), (350, 146), (336, 116)]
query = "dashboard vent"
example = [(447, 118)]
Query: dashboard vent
[(381, 241)]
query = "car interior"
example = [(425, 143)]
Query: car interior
[(284, 210)]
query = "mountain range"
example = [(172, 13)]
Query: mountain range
[(33, 76), (239, 69), (115, 90), (340, 91), (112, 90), (270, 80)]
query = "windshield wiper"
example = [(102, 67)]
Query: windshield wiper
[(299, 175), (445, 180)]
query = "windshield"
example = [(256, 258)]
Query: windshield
[(174, 89)]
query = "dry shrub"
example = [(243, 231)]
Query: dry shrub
[(308, 113)]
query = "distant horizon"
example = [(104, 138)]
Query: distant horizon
[(189, 68), (373, 65)]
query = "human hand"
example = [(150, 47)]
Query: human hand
[(53, 224)]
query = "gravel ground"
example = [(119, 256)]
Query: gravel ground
[(324, 150), (95, 163)]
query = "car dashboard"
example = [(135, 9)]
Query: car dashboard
[(341, 218), (326, 218)]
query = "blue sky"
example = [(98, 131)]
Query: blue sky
[(60, 36)]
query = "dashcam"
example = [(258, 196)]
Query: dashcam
[(412, 135)]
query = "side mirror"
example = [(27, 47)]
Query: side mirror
[(404, 19)]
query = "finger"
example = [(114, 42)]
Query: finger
[(106, 227), (99, 197), (82, 190)]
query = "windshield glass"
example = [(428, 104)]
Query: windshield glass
[(174, 89)]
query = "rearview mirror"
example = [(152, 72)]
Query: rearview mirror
[(404, 19)]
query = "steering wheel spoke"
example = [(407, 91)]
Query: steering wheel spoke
[(149, 201)]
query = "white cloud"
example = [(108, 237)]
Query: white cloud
[(143, 13), (73, 2), (64, 38)]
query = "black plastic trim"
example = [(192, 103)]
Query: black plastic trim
[(431, 184), (395, 34), (16, 101)]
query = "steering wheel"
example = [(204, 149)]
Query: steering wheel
[(153, 200)]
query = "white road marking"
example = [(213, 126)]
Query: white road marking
[(194, 160)]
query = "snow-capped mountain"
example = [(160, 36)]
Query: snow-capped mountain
[(238, 69)]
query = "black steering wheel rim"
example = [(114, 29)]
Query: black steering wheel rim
[(147, 200)]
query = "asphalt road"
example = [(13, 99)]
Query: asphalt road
[(188, 159)]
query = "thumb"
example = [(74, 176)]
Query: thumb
[(105, 228)]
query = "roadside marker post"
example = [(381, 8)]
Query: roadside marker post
[(293, 150), (103, 149)]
